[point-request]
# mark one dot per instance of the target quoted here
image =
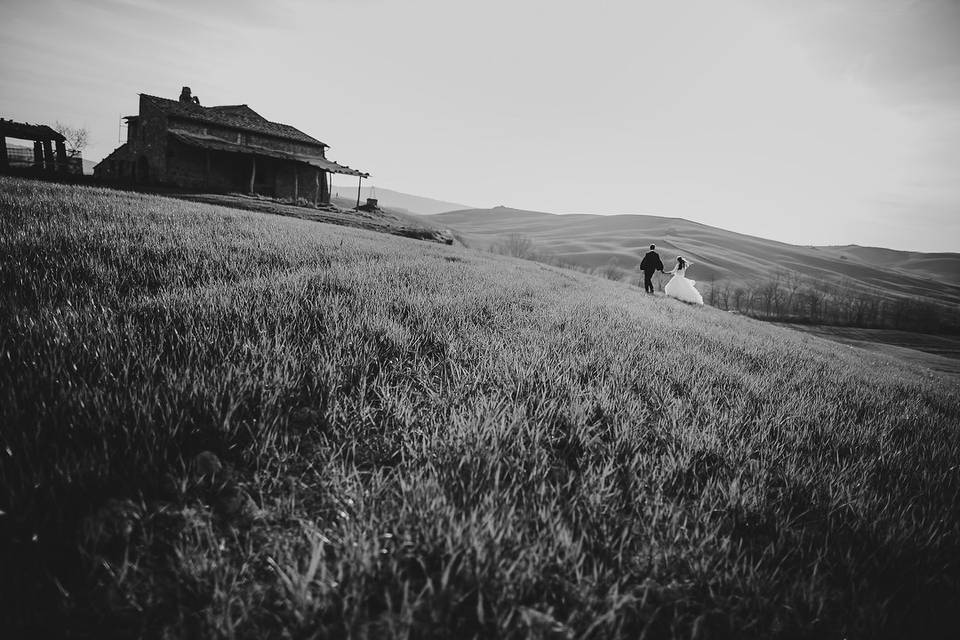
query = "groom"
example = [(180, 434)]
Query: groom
[(649, 265)]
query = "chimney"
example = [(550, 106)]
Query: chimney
[(185, 95)]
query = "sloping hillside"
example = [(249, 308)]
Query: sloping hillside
[(943, 267), (396, 200), (389, 221), (224, 424), (592, 241)]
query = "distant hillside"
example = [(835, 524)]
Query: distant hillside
[(941, 266), (397, 200), (596, 241)]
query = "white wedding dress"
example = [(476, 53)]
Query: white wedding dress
[(682, 288)]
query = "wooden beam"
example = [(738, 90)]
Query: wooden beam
[(253, 171), (24, 131), (48, 162), (61, 156), (316, 186), (359, 182), (296, 184), (37, 154), (4, 158)]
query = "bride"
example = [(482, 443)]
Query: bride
[(680, 287)]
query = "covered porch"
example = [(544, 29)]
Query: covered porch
[(255, 169)]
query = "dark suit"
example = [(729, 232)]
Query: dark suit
[(650, 264)]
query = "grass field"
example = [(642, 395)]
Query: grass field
[(940, 353), (218, 423), (384, 221)]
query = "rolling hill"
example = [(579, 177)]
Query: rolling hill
[(594, 241), (221, 423), (388, 198)]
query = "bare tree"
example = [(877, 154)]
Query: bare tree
[(768, 293), (611, 270), (792, 284), (812, 303), (738, 296), (517, 246), (724, 297), (77, 138)]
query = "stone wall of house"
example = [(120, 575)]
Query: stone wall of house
[(116, 166), (142, 159), (148, 145), (187, 167)]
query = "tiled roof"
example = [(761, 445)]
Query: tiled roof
[(216, 144), (26, 131), (237, 110), (235, 116)]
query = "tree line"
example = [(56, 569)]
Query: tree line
[(790, 297), (786, 296)]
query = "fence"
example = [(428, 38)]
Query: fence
[(20, 156), (23, 158)]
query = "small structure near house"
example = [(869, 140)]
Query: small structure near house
[(44, 139), (229, 148), (370, 206)]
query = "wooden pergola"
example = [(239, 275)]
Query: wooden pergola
[(44, 138)]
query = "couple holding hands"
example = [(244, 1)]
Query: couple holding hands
[(679, 287)]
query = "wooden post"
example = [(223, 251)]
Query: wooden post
[(359, 182), (4, 158), (61, 157), (316, 186), (48, 163), (37, 155), (296, 184), (324, 190), (253, 171)]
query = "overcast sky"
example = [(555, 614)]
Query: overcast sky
[(809, 122)]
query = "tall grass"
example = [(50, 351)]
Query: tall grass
[(225, 424)]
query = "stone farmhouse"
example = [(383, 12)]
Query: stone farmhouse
[(230, 148)]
